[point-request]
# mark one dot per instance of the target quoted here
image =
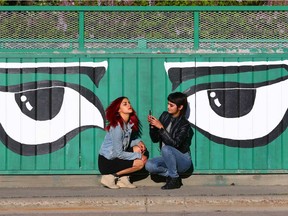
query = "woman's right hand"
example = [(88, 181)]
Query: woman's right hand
[(154, 122)]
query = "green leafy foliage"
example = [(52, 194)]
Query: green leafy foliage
[(144, 2)]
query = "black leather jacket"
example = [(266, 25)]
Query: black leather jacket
[(180, 134)]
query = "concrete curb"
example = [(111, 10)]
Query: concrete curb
[(146, 204), (10, 181)]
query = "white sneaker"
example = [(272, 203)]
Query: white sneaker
[(109, 181), (124, 182)]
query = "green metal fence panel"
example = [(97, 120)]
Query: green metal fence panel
[(52, 109), (60, 67), (243, 99)]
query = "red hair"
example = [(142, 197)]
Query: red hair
[(113, 116)]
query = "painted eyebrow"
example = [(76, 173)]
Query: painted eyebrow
[(231, 85), (179, 72), (94, 70)]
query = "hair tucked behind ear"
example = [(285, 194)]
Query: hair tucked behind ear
[(179, 99), (113, 116)]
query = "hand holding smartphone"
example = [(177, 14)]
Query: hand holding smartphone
[(150, 116)]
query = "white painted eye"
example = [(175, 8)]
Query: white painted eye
[(32, 120), (263, 110)]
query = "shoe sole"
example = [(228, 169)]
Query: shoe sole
[(164, 188), (123, 186)]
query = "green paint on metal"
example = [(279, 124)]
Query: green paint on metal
[(196, 30), (81, 31)]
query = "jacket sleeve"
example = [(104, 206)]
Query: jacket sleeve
[(116, 135), (154, 134), (135, 142), (182, 132)]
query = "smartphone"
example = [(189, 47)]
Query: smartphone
[(150, 113)]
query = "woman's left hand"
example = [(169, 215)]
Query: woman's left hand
[(142, 147)]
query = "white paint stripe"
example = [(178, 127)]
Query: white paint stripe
[(11, 65), (169, 65)]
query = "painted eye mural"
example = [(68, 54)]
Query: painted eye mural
[(40, 117), (235, 111)]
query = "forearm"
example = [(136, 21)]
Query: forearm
[(129, 155), (178, 137), (135, 142), (154, 134), (166, 138)]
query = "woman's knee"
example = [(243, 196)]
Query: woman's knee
[(166, 150), (138, 164)]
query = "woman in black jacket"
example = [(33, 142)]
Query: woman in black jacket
[(174, 134)]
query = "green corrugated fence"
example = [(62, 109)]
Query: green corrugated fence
[(60, 67)]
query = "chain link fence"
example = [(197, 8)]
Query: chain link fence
[(146, 30)]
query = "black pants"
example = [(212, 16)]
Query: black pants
[(115, 165)]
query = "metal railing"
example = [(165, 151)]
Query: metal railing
[(144, 29)]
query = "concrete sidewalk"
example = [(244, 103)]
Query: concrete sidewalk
[(202, 192)]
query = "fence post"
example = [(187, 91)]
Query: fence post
[(81, 39)]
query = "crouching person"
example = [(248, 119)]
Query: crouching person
[(173, 132), (122, 152)]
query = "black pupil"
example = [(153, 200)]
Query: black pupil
[(41, 104), (232, 103)]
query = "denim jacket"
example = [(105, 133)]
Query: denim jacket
[(117, 141)]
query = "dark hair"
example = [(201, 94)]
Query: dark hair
[(179, 99), (113, 116)]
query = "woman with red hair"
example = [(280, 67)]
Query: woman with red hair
[(122, 152)]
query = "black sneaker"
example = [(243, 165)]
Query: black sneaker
[(172, 183)]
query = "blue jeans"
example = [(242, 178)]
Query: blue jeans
[(170, 163)]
